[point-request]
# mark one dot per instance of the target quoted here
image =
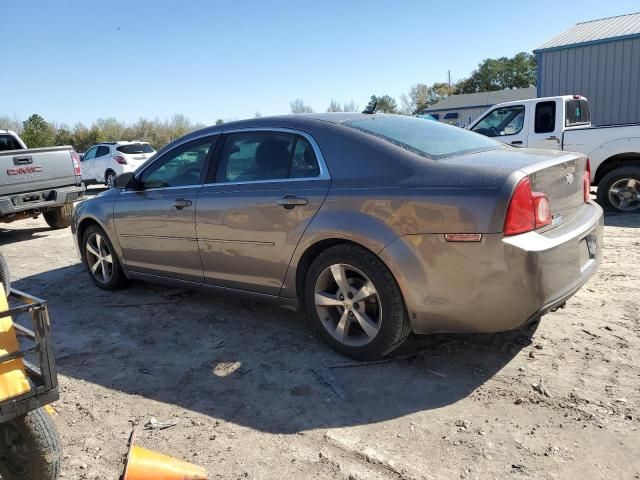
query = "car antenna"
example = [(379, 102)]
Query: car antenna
[(371, 108)]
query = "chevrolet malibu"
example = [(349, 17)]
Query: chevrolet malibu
[(375, 226)]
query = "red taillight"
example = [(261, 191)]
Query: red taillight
[(77, 168), (586, 182), (120, 159), (527, 211)]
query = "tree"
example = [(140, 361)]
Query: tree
[(334, 106), (384, 104), (13, 124), (422, 96), (298, 106), (498, 74), (257, 115), (37, 132), (219, 121)]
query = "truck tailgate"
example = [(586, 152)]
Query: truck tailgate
[(36, 169)]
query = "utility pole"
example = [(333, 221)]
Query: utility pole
[(449, 75)]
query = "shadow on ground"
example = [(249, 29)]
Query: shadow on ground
[(628, 220), (8, 236), (249, 363)]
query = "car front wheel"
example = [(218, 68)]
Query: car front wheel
[(355, 304), (101, 260)]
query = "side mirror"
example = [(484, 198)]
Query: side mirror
[(127, 180)]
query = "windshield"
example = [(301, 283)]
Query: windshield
[(8, 142), (135, 148), (424, 137)]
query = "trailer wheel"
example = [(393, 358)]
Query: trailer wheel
[(5, 277), (59, 217), (30, 448)]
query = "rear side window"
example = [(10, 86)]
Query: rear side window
[(259, 156), (545, 117), (134, 148), (8, 142), (102, 151), (577, 112), (424, 137)]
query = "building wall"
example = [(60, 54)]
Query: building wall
[(607, 73)]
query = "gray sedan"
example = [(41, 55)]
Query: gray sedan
[(375, 226)]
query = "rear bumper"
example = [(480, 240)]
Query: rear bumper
[(499, 283), (39, 200)]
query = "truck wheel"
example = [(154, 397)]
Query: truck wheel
[(30, 448), (619, 190), (59, 217), (5, 277)]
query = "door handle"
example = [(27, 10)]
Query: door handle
[(516, 142), (290, 201), (181, 203), (553, 137)]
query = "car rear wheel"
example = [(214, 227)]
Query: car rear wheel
[(355, 304), (100, 259), (619, 190), (110, 179)]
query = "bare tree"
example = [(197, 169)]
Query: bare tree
[(350, 106), (298, 106), (257, 114), (334, 106)]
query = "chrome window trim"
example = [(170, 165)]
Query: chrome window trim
[(322, 165), (324, 171)]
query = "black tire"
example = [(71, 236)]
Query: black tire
[(36, 450), (59, 217), (5, 276), (109, 178), (394, 322), (608, 181), (117, 278)]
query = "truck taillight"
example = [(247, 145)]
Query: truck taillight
[(120, 159), (586, 181), (527, 210), (77, 168)]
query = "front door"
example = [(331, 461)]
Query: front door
[(546, 131), (268, 186), (505, 124), (88, 173), (155, 222)]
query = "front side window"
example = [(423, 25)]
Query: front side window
[(501, 122), (91, 153), (259, 156), (545, 117), (180, 167)]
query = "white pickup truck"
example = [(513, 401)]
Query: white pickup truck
[(564, 123)]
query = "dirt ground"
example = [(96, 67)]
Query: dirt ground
[(256, 395)]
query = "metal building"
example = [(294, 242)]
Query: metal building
[(599, 59), (463, 109)]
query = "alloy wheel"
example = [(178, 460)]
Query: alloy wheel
[(348, 305), (99, 258), (111, 180), (625, 194)]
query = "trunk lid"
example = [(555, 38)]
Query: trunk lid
[(557, 174)]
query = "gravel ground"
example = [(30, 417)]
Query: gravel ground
[(256, 395)]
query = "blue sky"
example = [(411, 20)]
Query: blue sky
[(81, 60)]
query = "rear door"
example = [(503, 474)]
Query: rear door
[(545, 125), (155, 223), (267, 187), (103, 154), (505, 124)]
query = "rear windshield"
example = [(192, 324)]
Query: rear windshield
[(8, 142), (135, 148), (424, 137), (577, 112)]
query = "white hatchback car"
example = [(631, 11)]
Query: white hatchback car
[(103, 162)]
